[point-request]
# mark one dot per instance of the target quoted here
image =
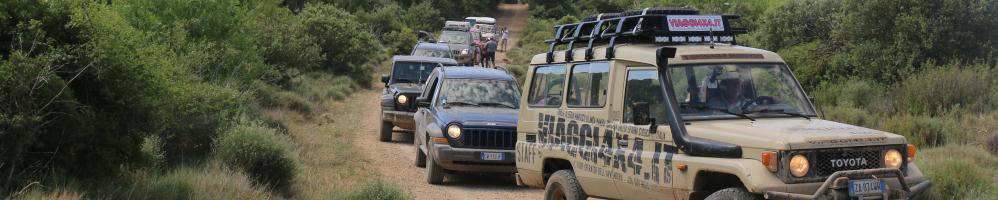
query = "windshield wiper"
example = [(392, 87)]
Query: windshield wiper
[(496, 104), (779, 111), (725, 111), (454, 103)]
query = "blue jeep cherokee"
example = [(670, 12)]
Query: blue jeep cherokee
[(466, 122)]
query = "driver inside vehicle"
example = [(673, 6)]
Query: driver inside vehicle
[(723, 90)]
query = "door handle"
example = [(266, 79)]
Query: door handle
[(622, 143)]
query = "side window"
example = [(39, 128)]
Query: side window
[(643, 86), (431, 86), (546, 86), (587, 85)]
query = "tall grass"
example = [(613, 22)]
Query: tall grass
[(960, 172)]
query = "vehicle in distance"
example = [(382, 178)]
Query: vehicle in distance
[(669, 108), (457, 36), (427, 49), (402, 86), (486, 26), (466, 122)]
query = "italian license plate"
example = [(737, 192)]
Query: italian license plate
[(493, 156), (866, 187)]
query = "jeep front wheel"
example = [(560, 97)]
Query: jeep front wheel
[(386, 131), (434, 174), (564, 186), (420, 156), (731, 194)]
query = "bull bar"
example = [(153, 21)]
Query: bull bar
[(840, 178)]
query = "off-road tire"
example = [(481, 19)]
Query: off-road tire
[(732, 194), (420, 160), (564, 185), (434, 174), (386, 131)]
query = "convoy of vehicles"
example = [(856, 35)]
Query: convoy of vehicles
[(466, 122), (649, 104), (402, 86)]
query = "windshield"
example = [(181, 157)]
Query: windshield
[(485, 28), (412, 72), (722, 90), (455, 37), (478, 92), (432, 53)]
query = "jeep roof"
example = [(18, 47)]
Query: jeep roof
[(403, 58)]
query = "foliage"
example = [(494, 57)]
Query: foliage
[(377, 190), (960, 172), (348, 49), (267, 157), (209, 182)]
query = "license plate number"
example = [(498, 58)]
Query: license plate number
[(493, 156), (866, 187)]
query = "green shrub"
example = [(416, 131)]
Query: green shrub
[(271, 96), (348, 49), (851, 115), (377, 190), (207, 182), (853, 92), (960, 172), (267, 157), (925, 131), (937, 91)]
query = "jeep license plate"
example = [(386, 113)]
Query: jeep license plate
[(866, 187), (492, 156)]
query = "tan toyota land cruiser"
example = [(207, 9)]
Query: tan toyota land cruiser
[(661, 104)]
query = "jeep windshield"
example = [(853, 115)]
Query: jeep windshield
[(718, 91), (455, 37), (432, 53), (412, 72), (480, 93)]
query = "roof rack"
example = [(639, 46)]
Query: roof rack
[(650, 25)]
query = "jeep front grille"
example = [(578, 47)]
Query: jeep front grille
[(486, 138), (824, 162)]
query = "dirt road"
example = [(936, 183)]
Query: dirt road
[(393, 162), (514, 17)]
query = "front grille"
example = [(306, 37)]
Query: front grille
[(486, 138), (825, 162)]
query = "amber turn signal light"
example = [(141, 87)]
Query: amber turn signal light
[(911, 152), (769, 160), (439, 140)]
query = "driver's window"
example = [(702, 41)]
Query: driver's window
[(547, 87)]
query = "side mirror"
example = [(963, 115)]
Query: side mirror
[(422, 102), (384, 78), (640, 113)]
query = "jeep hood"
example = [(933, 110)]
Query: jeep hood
[(406, 88), (505, 117), (790, 133)]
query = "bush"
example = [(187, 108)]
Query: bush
[(209, 182), (267, 157), (377, 190), (937, 91), (349, 50), (271, 96), (851, 115), (960, 172), (925, 131)]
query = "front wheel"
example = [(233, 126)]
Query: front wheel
[(434, 174), (732, 194), (386, 131), (564, 186)]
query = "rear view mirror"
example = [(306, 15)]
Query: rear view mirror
[(640, 113), (422, 102), (384, 78)]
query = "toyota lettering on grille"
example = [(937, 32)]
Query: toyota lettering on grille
[(848, 162)]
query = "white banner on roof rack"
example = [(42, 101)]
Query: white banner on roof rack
[(689, 23)]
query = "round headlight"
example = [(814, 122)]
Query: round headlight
[(464, 51), (892, 159), (402, 99), (454, 131), (799, 165)]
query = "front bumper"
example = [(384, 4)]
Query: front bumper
[(470, 160), (401, 119), (836, 186)]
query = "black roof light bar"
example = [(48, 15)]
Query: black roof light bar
[(650, 25)]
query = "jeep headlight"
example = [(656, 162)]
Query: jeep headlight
[(464, 51), (799, 165), (401, 99), (454, 131), (892, 159)]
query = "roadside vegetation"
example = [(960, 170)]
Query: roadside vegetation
[(180, 99), (924, 69)]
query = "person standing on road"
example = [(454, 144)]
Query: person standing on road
[(505, 39), (483, 56), (490, 49)]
